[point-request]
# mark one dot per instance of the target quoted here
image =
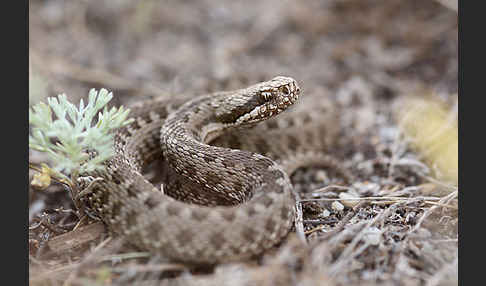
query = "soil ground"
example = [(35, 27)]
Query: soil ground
[(369, 58)]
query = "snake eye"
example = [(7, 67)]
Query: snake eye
[(285, 90)]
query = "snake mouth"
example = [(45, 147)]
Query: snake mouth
[(279, 94)]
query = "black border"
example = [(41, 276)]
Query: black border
[(14, 202)]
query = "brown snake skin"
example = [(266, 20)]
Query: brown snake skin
[(219, 204)]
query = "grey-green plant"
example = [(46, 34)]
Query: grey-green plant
[(73, 131)]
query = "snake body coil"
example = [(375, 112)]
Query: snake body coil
[(219, 204)]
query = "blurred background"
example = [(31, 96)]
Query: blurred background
[(151, 47)]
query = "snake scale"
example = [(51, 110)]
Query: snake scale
[(218, 204)]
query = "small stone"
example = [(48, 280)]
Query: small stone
[(366, 187), (321, 176), (337, 206), (372, 236), (325, 213), (347, 202)]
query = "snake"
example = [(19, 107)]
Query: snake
[(221, 200)]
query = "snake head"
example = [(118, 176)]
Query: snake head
[(270, 98)]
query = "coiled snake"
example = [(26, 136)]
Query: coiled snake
[(219, 204)]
